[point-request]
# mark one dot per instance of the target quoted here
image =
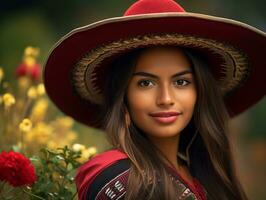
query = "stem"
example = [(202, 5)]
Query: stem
[(6, 190), (22, 141), (2, 121), (5, 117), (2, 185), (33, 195), (26, 107), (73, 197)]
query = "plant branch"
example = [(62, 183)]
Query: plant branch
[(33, 195)]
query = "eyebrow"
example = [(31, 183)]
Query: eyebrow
[(187, 71)]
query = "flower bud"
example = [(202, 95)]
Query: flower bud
[(78, 147), (31, 51), (92, 151), (25, 125), (39, 109), (8, 99), (32, 92), (40, 89), (87, 153)]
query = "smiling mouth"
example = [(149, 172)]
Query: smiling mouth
[(165, 117)]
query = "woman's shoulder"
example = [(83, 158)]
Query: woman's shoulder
[(107, 157), (103, 175), (110, 183), (100, 161)]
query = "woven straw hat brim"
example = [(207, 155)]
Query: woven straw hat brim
[(70, 90)]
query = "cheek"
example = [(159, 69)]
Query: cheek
[(138, 102), (187, 101)]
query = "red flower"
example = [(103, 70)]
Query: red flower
[(33, 71), (16, 169)]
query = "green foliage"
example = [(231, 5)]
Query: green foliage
[(55, 171)]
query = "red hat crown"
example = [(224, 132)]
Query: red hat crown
[(153, 6)]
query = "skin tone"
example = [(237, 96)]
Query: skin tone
[(163, 82)]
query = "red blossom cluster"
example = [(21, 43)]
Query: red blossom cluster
[(33, 71), (16, 169), (29, 66)]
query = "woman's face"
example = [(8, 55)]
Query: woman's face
[(161, 93)]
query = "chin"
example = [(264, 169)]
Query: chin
[(164, 132)]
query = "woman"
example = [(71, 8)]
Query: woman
[(162, 86)]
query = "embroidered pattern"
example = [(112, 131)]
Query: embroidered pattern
[(115, 188), (184, 192)]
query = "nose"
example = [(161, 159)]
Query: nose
[(165, 96)]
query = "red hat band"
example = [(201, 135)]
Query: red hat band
[(153, 6)]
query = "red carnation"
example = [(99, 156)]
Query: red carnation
[(16, 169)]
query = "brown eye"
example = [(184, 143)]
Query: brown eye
[(145, 83), (181, 82)]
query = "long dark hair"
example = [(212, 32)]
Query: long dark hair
[(210, 157)]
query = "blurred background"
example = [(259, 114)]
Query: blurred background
[(41, 23)]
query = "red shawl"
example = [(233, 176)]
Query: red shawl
[(88, 172)]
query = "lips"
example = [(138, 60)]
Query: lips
[(165, 117), (165, 114)]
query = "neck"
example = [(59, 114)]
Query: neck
[(169, 149)]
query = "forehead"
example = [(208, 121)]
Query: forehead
[(162, 58)]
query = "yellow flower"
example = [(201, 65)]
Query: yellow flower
[(40, 89), (31, 51), (65, 122), (8, 99), (32, 92), (86, 154), (40, 133), (25, 125), (43, 132), (92, 151), (78, 147), (71, 136), (1, 74), (39, 109), (23, 82)]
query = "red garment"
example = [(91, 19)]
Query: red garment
[(89, 171)]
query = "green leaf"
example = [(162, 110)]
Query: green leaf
[(16, 148)]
